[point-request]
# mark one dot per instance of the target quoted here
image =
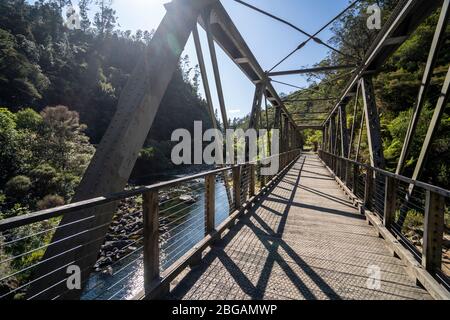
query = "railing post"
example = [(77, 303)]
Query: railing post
[(433, 231), (390, 201), (368, 189), (151, 239), (332, 164), (347, 171), (237, 187), (252, 180), (355, 179), (262, 179), (338, 167), (210, 203)]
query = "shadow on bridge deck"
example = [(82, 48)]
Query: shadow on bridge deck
[(305, 240)]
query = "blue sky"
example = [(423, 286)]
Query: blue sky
[(268, 39)]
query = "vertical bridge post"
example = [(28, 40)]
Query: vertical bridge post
[(237, 187), (355, 178), (368, 189), (434, 231), (252, 190), (390, 200), (151, 239), (210, 203)]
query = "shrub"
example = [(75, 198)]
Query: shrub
[(28, 119), (50, 201), (44, 177), (18, 186)]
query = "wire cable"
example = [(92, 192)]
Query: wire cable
[(311, 37)]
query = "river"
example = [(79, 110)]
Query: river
[(182, 228)]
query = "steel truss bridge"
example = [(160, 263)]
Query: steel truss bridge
[(312, 230)]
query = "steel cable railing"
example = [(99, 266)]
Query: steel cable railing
[(182, 214), (416, 213)]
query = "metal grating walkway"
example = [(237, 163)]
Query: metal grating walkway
[(304, 241)]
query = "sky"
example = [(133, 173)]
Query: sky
[(269, 40)]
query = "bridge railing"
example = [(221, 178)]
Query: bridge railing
[(415, 213), (157, 232)]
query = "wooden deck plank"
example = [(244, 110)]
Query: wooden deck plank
[(305, 240)]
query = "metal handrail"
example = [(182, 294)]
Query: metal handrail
[(424, 185)]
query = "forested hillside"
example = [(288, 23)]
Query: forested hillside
[(397, 87), (58, 92)]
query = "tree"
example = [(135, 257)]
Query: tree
[(105, 20), (85, 23), (8, 142), (60, 4), (20, 80), (67, 147), (41, 154)]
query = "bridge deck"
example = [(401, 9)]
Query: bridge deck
[(304, 241)]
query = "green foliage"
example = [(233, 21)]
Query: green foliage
[(28, 119), (18, 186), (47, 154), (314, 139), (8, 143)]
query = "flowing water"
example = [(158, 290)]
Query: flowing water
[(184, 229)]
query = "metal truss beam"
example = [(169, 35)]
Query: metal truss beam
[(434, 124), (372, 124), (309, 100), (355, 114), (405, 18), (310, 127), (344, 130), (228, 37), (212, 50), (204, 74), (309, 70), (332, 134), (436, 44)]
